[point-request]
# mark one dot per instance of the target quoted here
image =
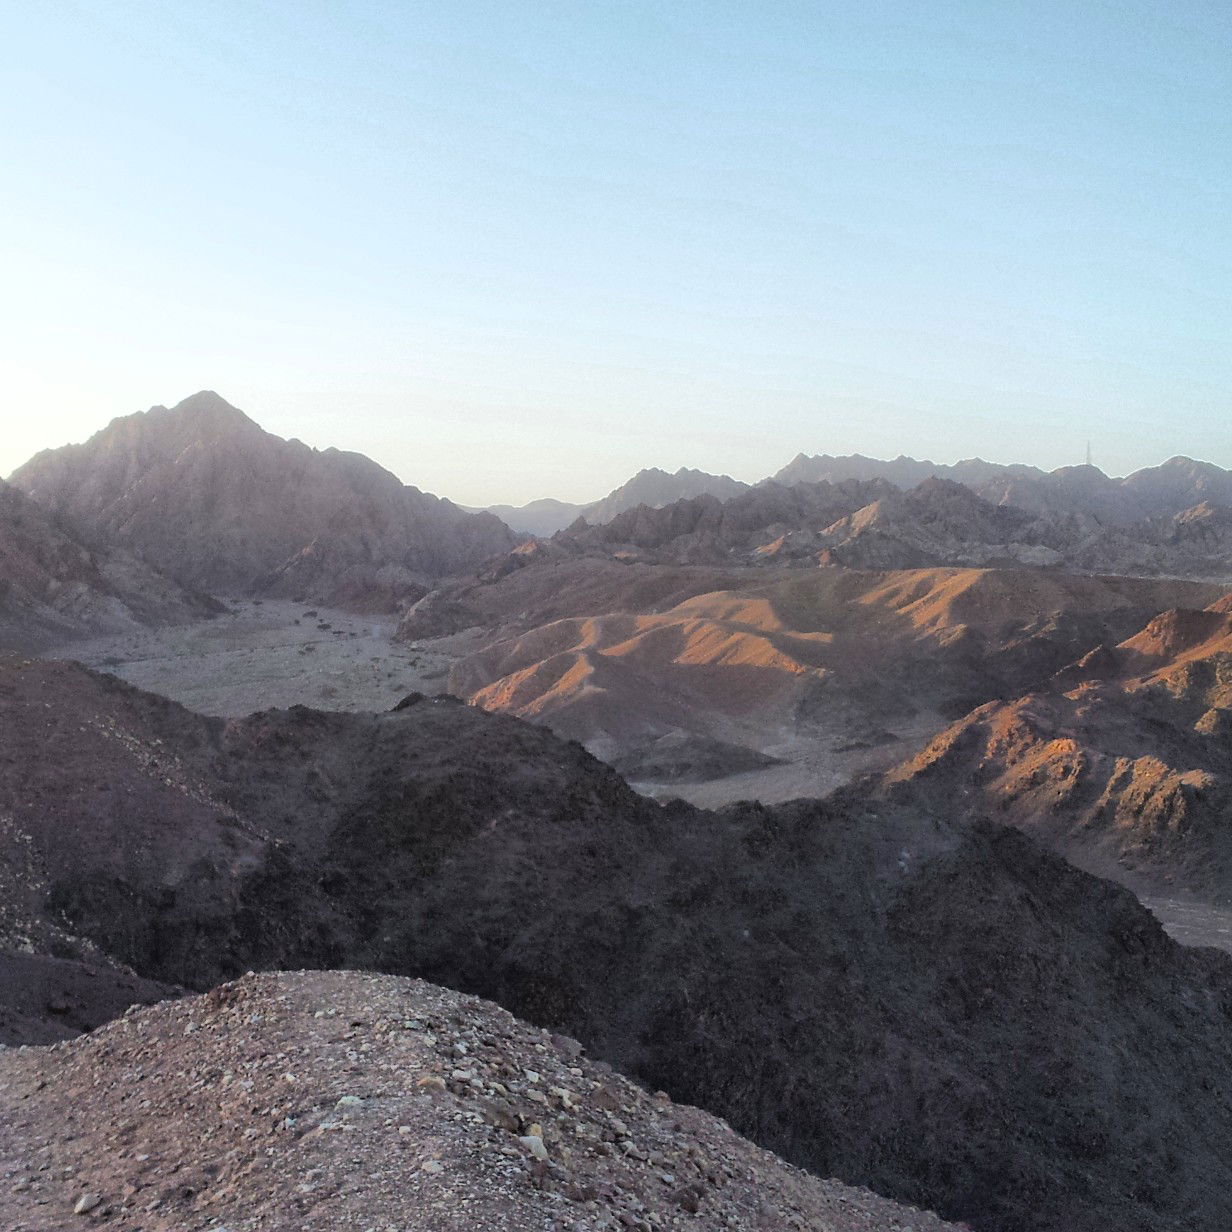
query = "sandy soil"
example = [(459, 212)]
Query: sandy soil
[(1193, 923), (272, 653), (815, 761)]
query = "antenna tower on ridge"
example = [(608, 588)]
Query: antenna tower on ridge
[(1089, 462)]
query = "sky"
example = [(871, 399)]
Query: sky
[(516, 250)]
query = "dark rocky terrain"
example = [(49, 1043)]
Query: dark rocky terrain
[(939, 1010), (203, 493), (259, 1098), (55, 585)]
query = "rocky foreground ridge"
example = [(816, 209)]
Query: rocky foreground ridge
[(333, 1100), (940, 1011)]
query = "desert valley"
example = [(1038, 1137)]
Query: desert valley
[(881, 809)]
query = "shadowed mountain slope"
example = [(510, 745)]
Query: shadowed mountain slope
[(947, 1014), (55, 586), (205, 494)]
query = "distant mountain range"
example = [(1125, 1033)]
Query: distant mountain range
[(651, 487), (1158, 491), (871, 524), (202, 498)]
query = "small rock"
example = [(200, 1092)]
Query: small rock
[(87, 1202), (534, 1144)]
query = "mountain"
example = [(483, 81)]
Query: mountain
[(766, 524), (939, 522), (902, 472), (655, 487), (1176, 485), (54, 586), (203, 493), (944, 1013), (541, 517), (651, 487), (1122, 760), (499, 1125)]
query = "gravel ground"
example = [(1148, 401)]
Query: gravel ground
[(336, 1100), (1193, 923), (271, 653)]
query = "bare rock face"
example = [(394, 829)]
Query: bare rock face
[(943, 1012), (205, 494), (55, 586), (319, 1100), (1121, 761)]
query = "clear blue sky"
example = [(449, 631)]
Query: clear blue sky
[(514, 249)]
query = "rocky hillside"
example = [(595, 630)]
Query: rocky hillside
[(944, 1013), (206, 495), (377, 1102), (1123, 760), (831, 670), (54, 586)]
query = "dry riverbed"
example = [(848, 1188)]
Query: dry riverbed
[(267, 654)]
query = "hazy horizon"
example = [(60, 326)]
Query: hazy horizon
[(517, 251)]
